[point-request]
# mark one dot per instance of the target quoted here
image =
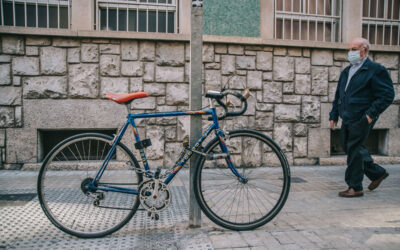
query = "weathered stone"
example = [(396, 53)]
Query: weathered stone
[(250, 53), (212, 66), (283, 136), (394, 142), (306, 53), (32, 50), (278, 51), (18, 150), (18, 116), (292, 99), (267, 76), (389, 60), (300, 147), (246, 62), (166, 120), (264, 60), (5, 76), (170, 54), (5, 58), (332, 91), (212, 79), (302, 65), (98, 40), (288, 87), (73, 55), (394, 74), (170, 135), (396, 93), (217, 58), (156, 150), (6, 117), (183, 128), (148, 103), (2, 139), (65, 42), (254, 80), (38, 41), (113, 49), (129, 50), (83, 80), (25, 66), (187, 72), (305, 161), (45, 87), (227, 64), (310, 109), (283, 68), (235, 49), (136, 84), (154, 89), (177, 94), (264, 107), (147, 51), (237, 82), (17, 81), (319, 85), (272, 92), (53, 61), (322, 57), (221, 49), (109, 65), (208, 52), (10, 96), (300, 129), (114, 85), (90, 52), (389, 118), (171, 153), (284, 112), (340, 55), (294, 51), (334, 74), (148, 75), (131, 68), (169, 74), (13, 45), (319, 142), (251, 105)]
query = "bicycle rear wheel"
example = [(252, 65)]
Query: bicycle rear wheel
[(238, 205), (66, 200)]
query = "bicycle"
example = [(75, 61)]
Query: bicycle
[(241, 180)]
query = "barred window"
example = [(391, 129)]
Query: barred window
[(137, 15), (380, 22), (315, 20), (36, 13)]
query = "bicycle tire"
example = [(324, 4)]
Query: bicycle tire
[(267, 170), (65, 200)]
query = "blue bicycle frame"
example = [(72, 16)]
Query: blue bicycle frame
[(130, 121)]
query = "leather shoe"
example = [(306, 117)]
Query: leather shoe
[(376, 183), (350, 193)]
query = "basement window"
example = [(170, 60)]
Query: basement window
[(376, 142), (50, 138)]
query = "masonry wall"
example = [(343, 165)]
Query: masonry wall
[(59, 84)]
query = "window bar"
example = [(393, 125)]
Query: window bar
[(308, 28), (47, 7), (283, 27), (274, 19), (316, 8), (291, 28), (383, 33), (137, 18), (25, 14), (157, 19), (176, 20), (58, 14), (300, 31), (376, 32), (376, 9), (117, 16), (291, 6), (37, 15), (13, 12), (97, 16), (2, 13), (316, 31), (166, 21), (368, 27), (107, 17), (147, 18), (308, 6), (127, 17)]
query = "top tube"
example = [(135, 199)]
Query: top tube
[(173, 113)]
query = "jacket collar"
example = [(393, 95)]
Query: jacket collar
[(363, 67)]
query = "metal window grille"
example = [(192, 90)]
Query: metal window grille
[(137, 15), (315, 20), (381, 22), (36, 13)]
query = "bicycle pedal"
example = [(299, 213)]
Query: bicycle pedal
[(157, 173), (216, 156), (153, 216)]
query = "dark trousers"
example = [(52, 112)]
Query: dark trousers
[(359, 161)]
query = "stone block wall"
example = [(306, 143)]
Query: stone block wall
[(59, 84)]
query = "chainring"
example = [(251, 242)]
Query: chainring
[(154, 195)]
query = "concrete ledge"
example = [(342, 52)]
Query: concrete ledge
[(341, 160), (181, 37)]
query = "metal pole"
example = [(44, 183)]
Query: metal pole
[(196, 66)]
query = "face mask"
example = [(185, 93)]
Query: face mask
[(354, 57)]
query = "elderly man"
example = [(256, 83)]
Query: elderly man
[(363, 92)]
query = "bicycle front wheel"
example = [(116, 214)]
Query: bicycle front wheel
[(62, 186), (232, 203)]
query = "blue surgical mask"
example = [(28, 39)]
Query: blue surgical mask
[(354, 57)]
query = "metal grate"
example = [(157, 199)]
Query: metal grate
[(315, 20), (381, 22), (137, 15), (36, 13)]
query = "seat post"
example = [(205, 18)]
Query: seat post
[(128, 107)]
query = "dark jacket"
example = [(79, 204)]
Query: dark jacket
[(370, 91)]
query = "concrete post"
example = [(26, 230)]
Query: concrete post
[(196, 66), (82, 15), (352, 20)]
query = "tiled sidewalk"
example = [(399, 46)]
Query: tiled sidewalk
[(314, 217)]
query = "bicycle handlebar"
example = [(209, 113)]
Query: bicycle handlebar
[(219, 95)]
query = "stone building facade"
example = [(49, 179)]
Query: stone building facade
[(50, 83)]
